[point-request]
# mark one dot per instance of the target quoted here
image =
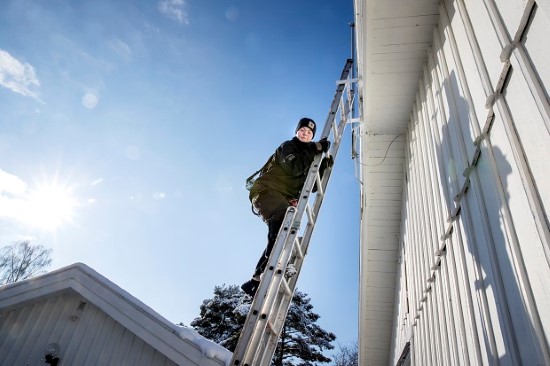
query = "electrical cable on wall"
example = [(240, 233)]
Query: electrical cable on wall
[(385, 154)]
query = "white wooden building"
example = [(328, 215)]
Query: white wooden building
[(455, 154), (79, 317)]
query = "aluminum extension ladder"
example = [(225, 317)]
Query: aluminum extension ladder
[(265, 320)]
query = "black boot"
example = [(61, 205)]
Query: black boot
[(250, 287)]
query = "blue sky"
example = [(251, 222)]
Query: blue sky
[(128, 128)]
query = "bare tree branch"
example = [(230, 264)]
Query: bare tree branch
[(23, 260)]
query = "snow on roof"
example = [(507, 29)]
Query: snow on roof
[(206, 345), (120, 305)]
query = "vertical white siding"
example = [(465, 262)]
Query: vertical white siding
[(392, 42), (474, 256), (85, 334)]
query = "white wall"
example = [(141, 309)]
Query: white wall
[(84, 333), (475, 243)]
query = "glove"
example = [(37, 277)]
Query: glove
[(327, 162), (322, 146)]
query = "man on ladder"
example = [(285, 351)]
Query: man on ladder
[(279, 185), (282, 195)]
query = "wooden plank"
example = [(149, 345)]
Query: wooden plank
[(488, 40), (401, 9), (533, 135), (377, 182), (537, 50), (381, 267), (380, 281), (511, 12)]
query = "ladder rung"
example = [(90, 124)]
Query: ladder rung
[(286, 287), (319, 186), (346, 81), (298, 248), (271, 328), (310, 214)]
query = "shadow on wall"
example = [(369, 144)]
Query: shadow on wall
[(477, 190)]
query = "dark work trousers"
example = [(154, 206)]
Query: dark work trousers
[(271, 205)]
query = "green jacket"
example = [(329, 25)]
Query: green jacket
[(287, 170)]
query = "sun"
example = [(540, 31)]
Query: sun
[(50, 205)]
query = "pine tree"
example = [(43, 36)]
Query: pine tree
[(301, 337), (302, 341), (222, 317)]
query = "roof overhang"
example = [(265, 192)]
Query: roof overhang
[(392, 39)]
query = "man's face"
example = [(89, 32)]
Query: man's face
[(304, 134)]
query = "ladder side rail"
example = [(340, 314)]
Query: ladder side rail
[(344, 117), (253, 319), (336, 99), (318, 200), (307, 190), (283, 260), (264, 334), (268, 289), (275, 301), (285, 301), (271, 299), (311, 180)]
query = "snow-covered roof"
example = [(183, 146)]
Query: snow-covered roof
[(184, 346)]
